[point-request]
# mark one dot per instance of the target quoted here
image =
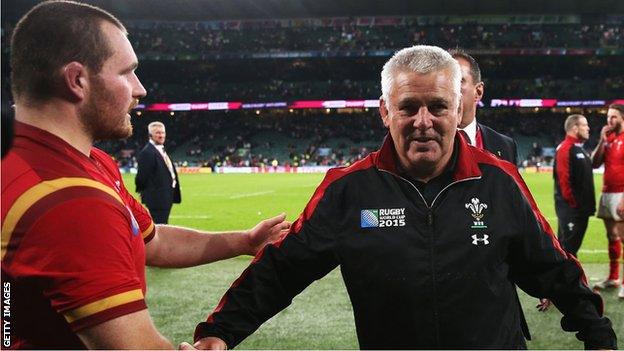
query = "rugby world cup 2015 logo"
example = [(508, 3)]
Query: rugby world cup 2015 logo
[(383, 217), (369, 218)]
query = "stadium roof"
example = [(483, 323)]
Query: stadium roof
[(198, 10)]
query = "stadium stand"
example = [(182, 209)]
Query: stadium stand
[(569, 57)]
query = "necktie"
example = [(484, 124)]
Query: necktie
[(169, 166)]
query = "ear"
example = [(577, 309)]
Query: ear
[(383, 111), (479, 90), (460, 111), (75, 80)]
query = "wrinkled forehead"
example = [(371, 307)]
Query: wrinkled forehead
[(438, 82)]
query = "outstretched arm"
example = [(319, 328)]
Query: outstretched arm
[(182, 247)]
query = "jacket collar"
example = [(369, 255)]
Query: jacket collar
[(574, 140), (465, 167)]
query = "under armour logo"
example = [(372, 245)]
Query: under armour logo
[(570, 226), (476, 240)]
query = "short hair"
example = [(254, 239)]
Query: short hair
[(618, 107), (475, 71), (421, 59), (153, 125), (50, 35), (571, 121)]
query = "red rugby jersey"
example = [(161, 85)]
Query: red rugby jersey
[(614, 164), (73, 241)]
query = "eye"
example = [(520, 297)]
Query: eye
[(437, 108), (407, 109)]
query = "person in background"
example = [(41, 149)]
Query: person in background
[(610, 152), (157, 178), (575, 199), (477, 134)]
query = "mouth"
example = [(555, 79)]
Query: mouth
[(134, 104)]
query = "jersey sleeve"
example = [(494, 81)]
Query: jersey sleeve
[(142, 220), (564, 166), (82, 254), (141, 214)]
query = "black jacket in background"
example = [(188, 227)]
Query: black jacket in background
[(574, 194), (500, 145), (153, 180)]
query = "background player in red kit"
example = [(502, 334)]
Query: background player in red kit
[(74, 242), (610, 151)]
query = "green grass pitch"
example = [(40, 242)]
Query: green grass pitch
[(321, 317)]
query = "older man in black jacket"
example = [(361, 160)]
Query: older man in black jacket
[(431, 236), (157, 178)]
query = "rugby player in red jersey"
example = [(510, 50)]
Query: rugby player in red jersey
[(74, 241), (610, 152)]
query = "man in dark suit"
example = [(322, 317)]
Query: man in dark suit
[(157, 178), (480, 135), (477, 134)]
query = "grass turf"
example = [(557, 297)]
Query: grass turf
[(321, 317)]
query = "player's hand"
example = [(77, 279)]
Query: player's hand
[(543, 305), (268, 231), (185, 346), (207, 343), (604, 131), (620, 208)]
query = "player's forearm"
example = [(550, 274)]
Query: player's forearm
[(597, 155), (182, 247)]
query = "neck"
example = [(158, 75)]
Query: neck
[(574, 136), (57, 118), (424, 173), (467, 119)]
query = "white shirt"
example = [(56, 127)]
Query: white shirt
[(471, 130), (168, 163)]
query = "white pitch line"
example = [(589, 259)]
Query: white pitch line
[(593, 251), (240, 196), (591, 219)]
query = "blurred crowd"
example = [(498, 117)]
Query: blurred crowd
[(312, 138), (189, 62), (196, 38)]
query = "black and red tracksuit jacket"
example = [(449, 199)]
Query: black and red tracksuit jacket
[(419, 275), (574, 179)]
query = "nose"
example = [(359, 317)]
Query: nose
[(139, 90), (422, 119)]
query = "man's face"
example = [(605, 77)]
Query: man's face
[(615, 120), (158, 135), (582, 129), (422, 114), (114, 91), (471, 91)]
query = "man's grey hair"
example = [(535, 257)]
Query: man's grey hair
[(153, 125), (420, 59)]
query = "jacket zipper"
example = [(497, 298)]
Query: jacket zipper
[(431, 251)]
